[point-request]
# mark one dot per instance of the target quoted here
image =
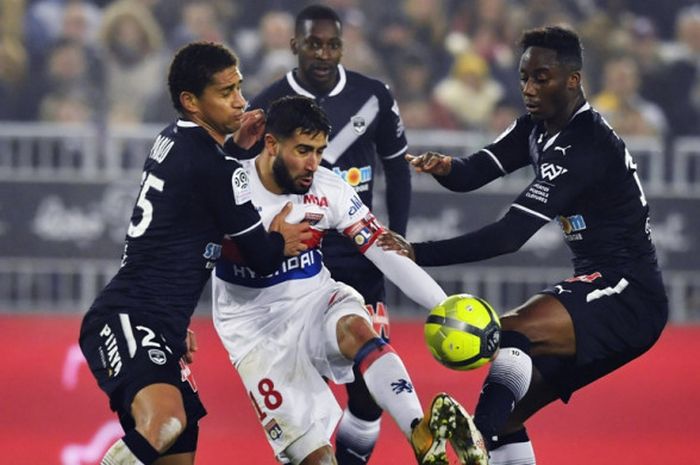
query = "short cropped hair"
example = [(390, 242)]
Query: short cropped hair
[(565, 42), (313, 13), (194, 66), (288, 114)]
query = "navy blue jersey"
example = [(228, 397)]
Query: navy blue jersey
[(586, 179), (191, 196), (365, 126)]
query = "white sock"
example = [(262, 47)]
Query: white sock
[(119, 454), (391, 387), (516, 453)]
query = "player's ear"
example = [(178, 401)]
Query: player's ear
[(294, 45), (574, 80), (189, 102), (271, 143)]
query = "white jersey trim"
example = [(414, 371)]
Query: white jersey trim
[(397, 154), (348, 135), (495, 160), (531, 212), (186, 124), (342, 80), (240, 233)]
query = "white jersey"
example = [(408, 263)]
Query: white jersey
[(261, 302)]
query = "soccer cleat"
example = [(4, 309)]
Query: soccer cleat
[(429, 436), (467, 441)]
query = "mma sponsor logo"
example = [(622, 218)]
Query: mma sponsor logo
[(113, 357), (550, 171), (311, 199)]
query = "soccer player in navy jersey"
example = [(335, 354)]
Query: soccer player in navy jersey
[(366, 128), (135, 335), (613, 308)]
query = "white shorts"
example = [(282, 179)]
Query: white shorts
[(284, 372)]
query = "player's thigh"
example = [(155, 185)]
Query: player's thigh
[(546, 323), (322, 456), (292, 401), (124, 364)]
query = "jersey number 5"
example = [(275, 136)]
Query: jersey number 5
[(151, 181)]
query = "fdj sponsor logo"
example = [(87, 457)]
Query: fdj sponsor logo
[(355, 176), (110, 345)]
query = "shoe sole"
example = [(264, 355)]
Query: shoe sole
[(467, 440), (442, 424)]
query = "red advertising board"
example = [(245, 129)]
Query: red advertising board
[(52, 413)]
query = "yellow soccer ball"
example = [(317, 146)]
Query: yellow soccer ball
[(463, 332)]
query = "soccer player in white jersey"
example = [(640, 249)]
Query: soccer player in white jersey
[(288, 330)]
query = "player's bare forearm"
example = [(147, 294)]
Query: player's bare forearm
[(433, 163), (389, 240)]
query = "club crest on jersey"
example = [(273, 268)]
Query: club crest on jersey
[(359, 125), (550, 171), (313, 218)]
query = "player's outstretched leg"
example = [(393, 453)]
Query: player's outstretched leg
[(467, 440), (429, 435), (359, 427)]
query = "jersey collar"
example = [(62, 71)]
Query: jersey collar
[(299, 89), (585, 107)]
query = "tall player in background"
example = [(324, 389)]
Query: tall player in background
[(287, 331), (365, 127), (135, 336), (614, 307)]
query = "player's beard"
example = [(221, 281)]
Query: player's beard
[(284, 178)]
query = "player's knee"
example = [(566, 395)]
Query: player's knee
[(353, 332), (163, 429)]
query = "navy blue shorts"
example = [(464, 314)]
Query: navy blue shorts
[(615, 320), (126, 353)]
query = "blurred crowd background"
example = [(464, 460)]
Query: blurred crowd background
[(452, 64)]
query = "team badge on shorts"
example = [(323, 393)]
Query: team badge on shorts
[(273, 429), (157, 356)]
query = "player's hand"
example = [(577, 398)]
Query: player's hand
[(251, 130), (294, 234), (391, 241), (191, 342), (431, 163)]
